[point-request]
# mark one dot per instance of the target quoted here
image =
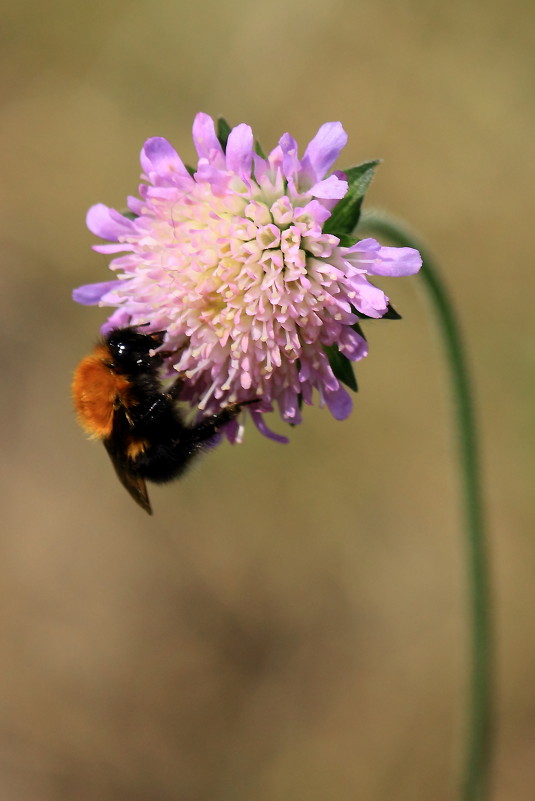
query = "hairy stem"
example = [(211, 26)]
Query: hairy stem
[(475, 777)]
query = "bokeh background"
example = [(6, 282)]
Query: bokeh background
[(291, 622)]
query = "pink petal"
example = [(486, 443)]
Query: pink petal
[(240, 150), (232, 431), (396, 262), (91, 294), (135, 204), (353, 345), (369, 255), (258, 420), (331, 187), (317, 211), (119, 319), (323, 150), (370, 300), (115, 248), (260, 167), (206, 142), (364, 246), (290, 160), (207, 173), (339, 402), (275, 158), (158, 156), (108, 223)]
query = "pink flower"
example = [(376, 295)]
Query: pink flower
[(233, 263)]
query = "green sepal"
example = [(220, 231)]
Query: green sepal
[(258, 149), (341, 367), (390, 314), (299, 406), (299, 397), (130, 215), (348, 240), (346, 213), (223, 131), (358, 328), (191, 170)]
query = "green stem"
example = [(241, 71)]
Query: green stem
[(475, 780)]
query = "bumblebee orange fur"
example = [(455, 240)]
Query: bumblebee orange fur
[(94, 390)]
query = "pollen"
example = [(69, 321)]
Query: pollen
[(135, 447)]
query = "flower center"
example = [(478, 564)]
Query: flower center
[(247, 278)]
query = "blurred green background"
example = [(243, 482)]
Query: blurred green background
[(291, 623)]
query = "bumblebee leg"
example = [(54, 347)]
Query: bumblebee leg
[(174, 390), (209, 427), (165, 460), (162, 401), (154, 410)]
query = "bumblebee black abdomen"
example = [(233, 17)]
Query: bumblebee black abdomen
[(164, 461)]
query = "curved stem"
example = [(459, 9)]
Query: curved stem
[(478, 746)]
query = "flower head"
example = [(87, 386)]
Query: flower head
[(259, 297)]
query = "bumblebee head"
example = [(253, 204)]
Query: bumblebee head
[(130, 350)]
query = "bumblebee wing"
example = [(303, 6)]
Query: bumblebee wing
[(116, 445)]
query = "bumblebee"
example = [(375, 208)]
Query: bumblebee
[(119, 398)]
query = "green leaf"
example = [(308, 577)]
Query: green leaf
[(341, 367), (223, 130), (346, 213)]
